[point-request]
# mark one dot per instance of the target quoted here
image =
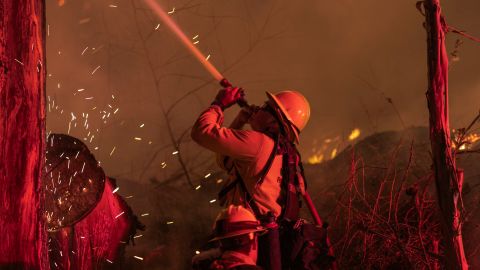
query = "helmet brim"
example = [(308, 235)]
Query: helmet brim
[(238, 233), (292, 129)]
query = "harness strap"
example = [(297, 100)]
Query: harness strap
[(226, 189)]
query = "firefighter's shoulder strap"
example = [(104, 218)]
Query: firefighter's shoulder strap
[(238, 179), (293, 180)]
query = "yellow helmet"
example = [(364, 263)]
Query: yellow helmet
[(291, 107), (234, 221)]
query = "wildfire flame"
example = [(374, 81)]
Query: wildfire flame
[(466, 142), (354, 134), (328, 148)]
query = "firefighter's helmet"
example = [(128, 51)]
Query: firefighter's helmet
[(235, 221), (291, 107)]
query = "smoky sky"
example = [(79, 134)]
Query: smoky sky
[(115, 61)]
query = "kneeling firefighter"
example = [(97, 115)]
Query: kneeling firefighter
[(235, 229), (265, 169)]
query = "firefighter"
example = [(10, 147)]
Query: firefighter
[(235, 229), (263, 162)]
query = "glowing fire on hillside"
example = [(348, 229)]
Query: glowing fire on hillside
[(464, 142), (329, 147)]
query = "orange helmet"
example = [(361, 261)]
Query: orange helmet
[(293, 108), (235, 221)]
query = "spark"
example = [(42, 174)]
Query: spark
[(115, 190), (138, 258), (172, 11), (111, 153), (116, 111), (83, 167), (142, 125), (119, 215), (212, 201), (196, 42), (208, 175), (84, 50), (18, 61), (95, 69), (138, 138), (195, 37), (145, 214), (84, 20), (69, 127), (138, 236), (175, 152), (112, 6), (128, 197), (158, 26), (89, 98), (198, 187), (169, 222), (219, 181), (108, 261), (48, 30), (197, 252), (208, 57), (58, 85), (81, 90)]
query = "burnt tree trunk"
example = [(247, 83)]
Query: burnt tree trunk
[(446, 177), (22, 134)]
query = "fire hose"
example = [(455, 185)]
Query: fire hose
[(158, 10), (166, 19)]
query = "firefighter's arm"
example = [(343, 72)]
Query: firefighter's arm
[(239, 122), (209, 133), (243, 117)]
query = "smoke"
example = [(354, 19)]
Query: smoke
[(122, 83)]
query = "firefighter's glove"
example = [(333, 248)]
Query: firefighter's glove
[(228, 97)]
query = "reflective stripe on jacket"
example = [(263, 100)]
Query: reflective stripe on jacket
[(249, 152)]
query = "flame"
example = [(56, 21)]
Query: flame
[(466, 142), (354, 134), (333, 154), (472, 138), (315, 159)]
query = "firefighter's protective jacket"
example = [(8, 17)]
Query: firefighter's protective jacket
[(248, 152)]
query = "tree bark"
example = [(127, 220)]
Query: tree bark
[(446, 178), (22, 134)]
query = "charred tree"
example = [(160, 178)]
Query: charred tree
[(447, 179), (22, 134)]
